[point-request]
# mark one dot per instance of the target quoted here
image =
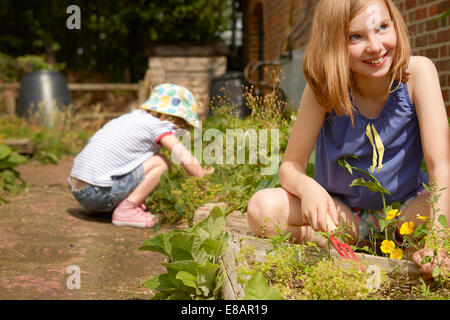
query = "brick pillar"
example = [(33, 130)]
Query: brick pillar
[(188, 67)]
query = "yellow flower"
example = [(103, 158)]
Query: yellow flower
[(397, 254), (423, 218), (392, 214), (407, 227), (387, 246)]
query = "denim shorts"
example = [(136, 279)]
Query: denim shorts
[(105, 199), (368, 222)]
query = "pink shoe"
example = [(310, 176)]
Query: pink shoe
[(130, 214)]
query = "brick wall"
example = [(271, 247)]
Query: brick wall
[(428, 37), (278, 18)]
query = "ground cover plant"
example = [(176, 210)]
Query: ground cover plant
[(305, 272), (10, 180), (193, 268), (50, 143), (427, 233)]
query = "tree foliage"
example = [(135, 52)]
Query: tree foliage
[(114, 35)]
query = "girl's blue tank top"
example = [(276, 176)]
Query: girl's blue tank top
[(388, 147)]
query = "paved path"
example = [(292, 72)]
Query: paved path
[(43, 232)]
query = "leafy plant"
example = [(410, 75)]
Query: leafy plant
[(429, 236), (193, 269), (50, 143), (390, 212), (13, 69), (258, 289), (425, 234), (10, 180)]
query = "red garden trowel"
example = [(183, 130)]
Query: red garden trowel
[(343, 249)]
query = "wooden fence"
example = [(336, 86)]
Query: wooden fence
[(140, 88)]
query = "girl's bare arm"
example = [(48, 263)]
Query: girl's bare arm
[(434, 129), (316, 202), (182, 155)]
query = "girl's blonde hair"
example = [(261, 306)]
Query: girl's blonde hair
[(178, 122), (326, 59)]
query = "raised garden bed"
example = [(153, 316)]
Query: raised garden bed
[(234, 290)]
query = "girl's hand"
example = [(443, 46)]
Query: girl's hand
[(316, 205), (427, 268), (208, 170)]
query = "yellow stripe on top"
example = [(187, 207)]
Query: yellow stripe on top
[(380, 148), (377, 146)]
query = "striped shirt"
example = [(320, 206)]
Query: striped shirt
[(119, 147)]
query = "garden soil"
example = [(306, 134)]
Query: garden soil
[(43, 233)]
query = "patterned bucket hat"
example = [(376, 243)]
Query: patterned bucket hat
[(173, 100)]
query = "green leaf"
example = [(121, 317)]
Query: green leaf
[(436, 272), (180, 254), (420, 231), (180, 295), (382, 223), (213, 226), (15, 159), (159, 243), (5, 151), (199, 253), (187, 278), (258, 289), (161, 283), (344, 164), (181, 244), (160, 296), (220, 279), (173, 268), (206, 278), (372, 186), (185, 265), (426, 260), (443, 221)]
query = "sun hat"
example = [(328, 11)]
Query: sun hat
[(173, 100)]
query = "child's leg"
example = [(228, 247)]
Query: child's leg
[(153, 168), (283, 209), (414, 207)]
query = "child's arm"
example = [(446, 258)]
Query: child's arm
[(182, 155), (316, 202), (435, 135), (433, 124)]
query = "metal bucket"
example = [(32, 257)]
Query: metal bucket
[(43, 94), (232, 82)]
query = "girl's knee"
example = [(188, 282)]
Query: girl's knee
[(262, 205)]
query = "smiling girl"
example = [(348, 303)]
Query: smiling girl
[(365, 96)]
